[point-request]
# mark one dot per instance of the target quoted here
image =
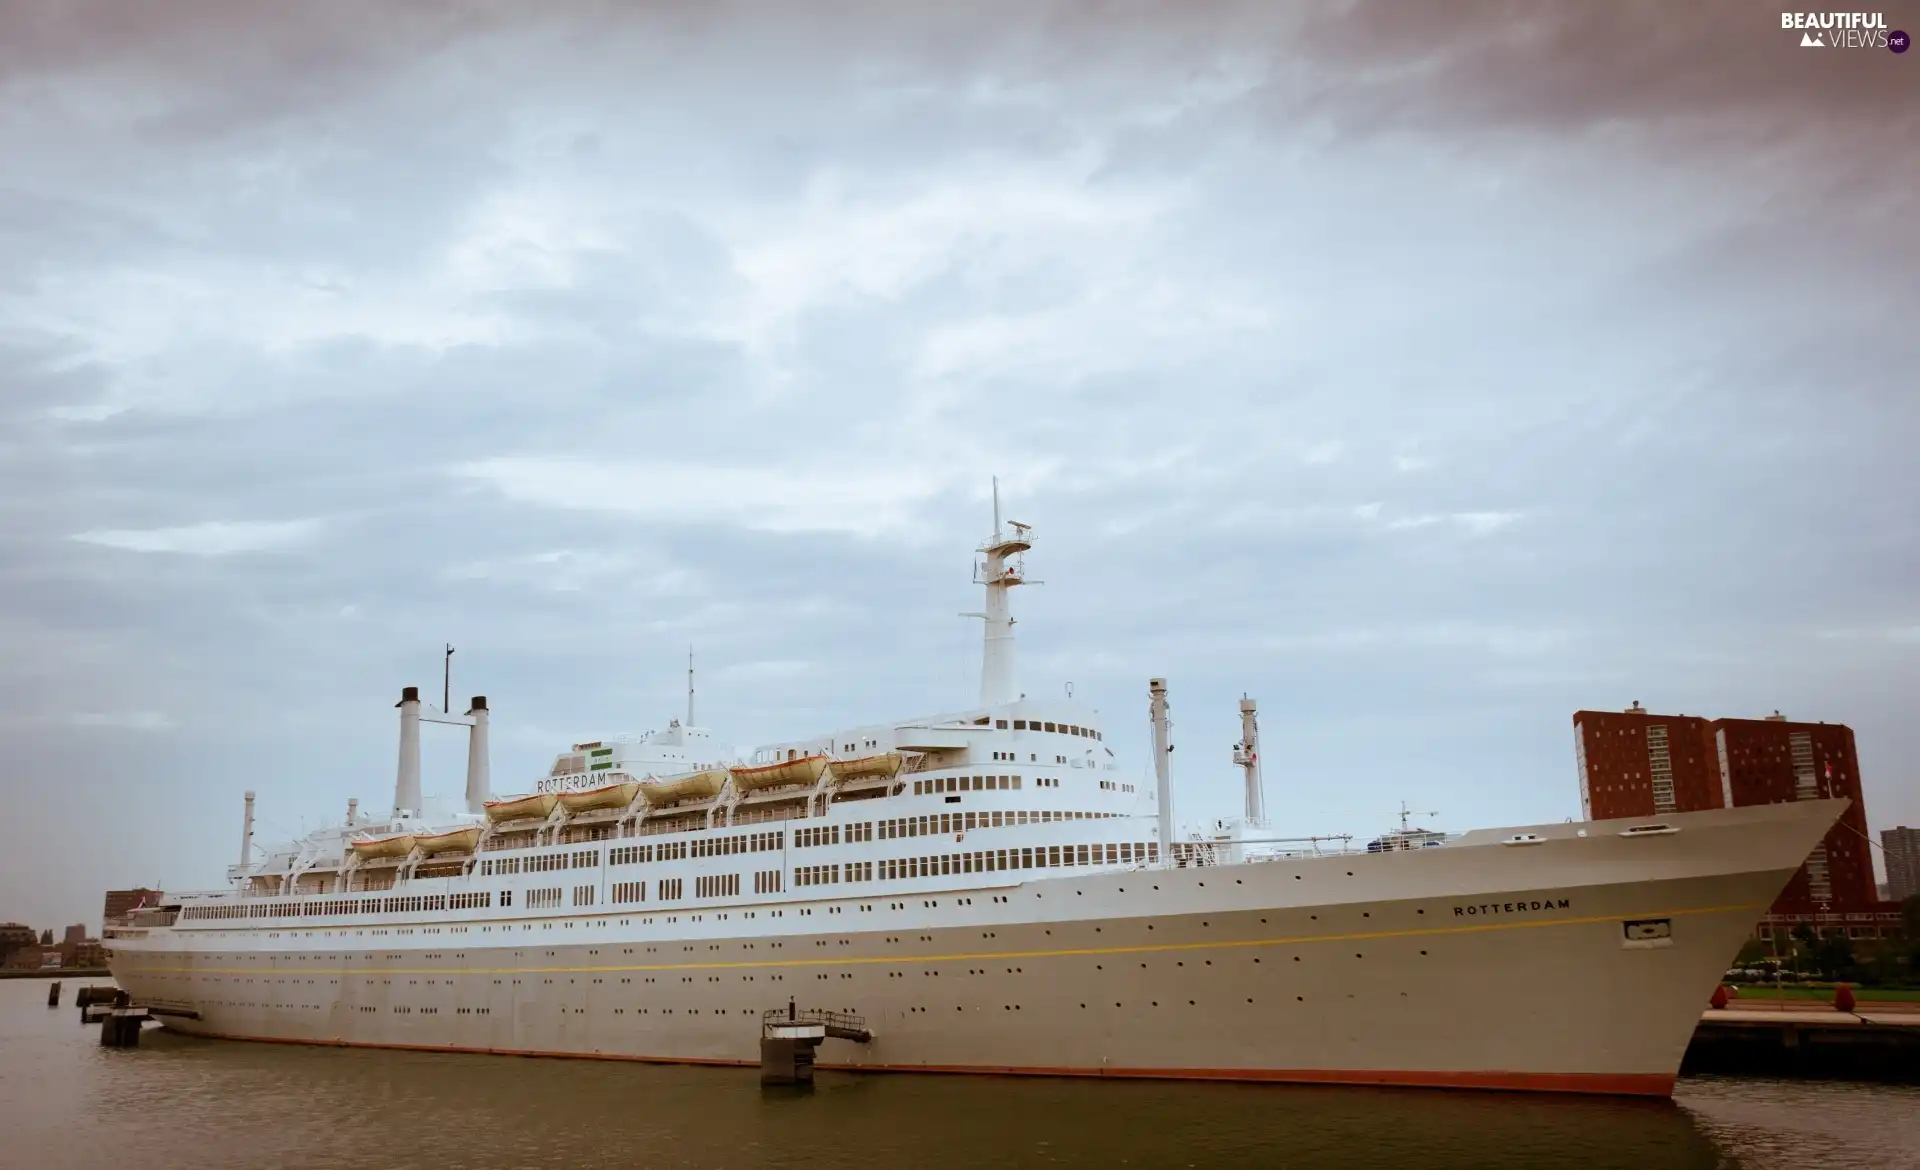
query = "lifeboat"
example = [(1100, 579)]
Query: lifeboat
[(702, 785), (398, 845), (869, 767), (608, 796), (454, 841), (520, 808), (805, 770)]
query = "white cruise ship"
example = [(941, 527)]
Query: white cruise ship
[(990, 890)]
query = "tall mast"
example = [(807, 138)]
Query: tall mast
[(1003, 568), (689, 686), (1246, 753), (1162, 762)]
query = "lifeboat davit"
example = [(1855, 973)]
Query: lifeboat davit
[(702, 785), (608, 796), (869, 767), (520, 808), (399, 845), (805, 770), (454, 841)]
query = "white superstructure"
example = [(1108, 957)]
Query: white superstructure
[(989, 887)]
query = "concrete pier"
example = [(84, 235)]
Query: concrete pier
[(788, 1039), (1819, 1044)]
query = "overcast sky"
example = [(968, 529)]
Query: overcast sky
[(1425, 371)]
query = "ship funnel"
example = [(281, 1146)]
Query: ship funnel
[(479, 785), (1162, 761), (406, 783), (246, 832)]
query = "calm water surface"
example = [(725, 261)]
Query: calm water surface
[(192, 1104)]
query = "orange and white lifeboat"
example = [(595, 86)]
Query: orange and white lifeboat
[(521, 808), (869, 767), (454, 841), (805, 770), (618, 795), (701, 785), (398, 845)]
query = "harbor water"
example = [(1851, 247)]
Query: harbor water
[(176, 1102)]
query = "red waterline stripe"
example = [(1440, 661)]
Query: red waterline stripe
[(1609, 1084)]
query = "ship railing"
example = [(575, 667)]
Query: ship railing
[(840, 1025), (1192, 854), (813, 1016)]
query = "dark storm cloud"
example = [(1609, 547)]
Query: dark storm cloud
[(1427, 370)]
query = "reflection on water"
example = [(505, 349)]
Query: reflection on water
[(178, 1102)]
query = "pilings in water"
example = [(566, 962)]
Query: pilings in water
[(120, 1019), (94, 1002), (53, 994), (120, 1027)]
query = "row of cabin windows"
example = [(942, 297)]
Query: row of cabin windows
[(768, 881), (404, 904), (740, 843), (1038, 857), (935, 824), (932, 824), (1057, 728), (546, 863), (718, 885), (939, 784), (637, 854), (822, 875), (832, 834)]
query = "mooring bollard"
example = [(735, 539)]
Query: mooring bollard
[(53, 994)]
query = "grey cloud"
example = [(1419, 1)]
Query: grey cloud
[(1268, 321)]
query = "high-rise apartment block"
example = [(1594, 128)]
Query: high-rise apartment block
[(1635, 763), (1902, 849)]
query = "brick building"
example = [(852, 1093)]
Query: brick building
[(122, 902), (16, 936), (1635, 763), (1902, 849)]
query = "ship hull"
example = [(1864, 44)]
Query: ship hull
[(1577, 962)]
